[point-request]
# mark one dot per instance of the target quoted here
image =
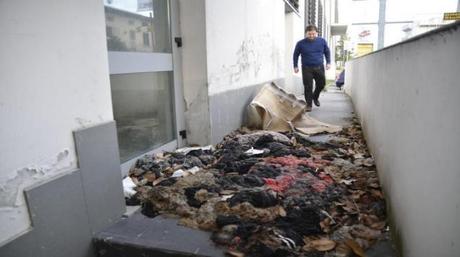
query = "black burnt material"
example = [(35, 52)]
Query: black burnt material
[(264, 170), (232, 157), (245, 230), (168, 182), (275, 202), (148, 210), (191, 200), (261, 199), (303, 221), (247, 180), (261, 250), (278, 148), (223, 220), (151, 164), (191, 191), (133, 200), (187, 161)]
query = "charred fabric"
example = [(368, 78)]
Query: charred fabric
[(271, 194)]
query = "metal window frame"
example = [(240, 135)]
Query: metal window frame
[(138, 62)]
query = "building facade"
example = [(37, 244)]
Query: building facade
[(89, 86)]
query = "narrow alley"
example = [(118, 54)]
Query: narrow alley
[(297, 196), (240, 128)]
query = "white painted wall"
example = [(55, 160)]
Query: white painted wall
[(294, 32), (244, 43), (408, 100), (54, 79), (227, 45), (329, 16), (194, 71)]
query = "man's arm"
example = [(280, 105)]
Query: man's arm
[(296, 57)]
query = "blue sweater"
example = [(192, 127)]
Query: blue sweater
[(312, 52)]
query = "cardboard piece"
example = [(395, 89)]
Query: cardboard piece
[(275, 109)]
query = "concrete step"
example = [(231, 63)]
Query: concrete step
[(138, 235)]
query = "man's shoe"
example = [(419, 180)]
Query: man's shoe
[(308, 109), (316, 101)]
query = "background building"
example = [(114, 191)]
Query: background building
[(385, 22)]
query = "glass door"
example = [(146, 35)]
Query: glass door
[(141, 76)]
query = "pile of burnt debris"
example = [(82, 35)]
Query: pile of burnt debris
[(271, 194)]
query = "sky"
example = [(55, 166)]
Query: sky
[(366, 11), (395, 10), (129, 5)]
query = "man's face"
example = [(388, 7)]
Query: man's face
[(311, 35)]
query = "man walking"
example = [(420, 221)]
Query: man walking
[(312, 49)]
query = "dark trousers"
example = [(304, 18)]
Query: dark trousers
[(308, 75)]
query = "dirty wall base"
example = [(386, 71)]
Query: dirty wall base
[(228, 109)]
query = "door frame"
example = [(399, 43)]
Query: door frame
[(137, 62)]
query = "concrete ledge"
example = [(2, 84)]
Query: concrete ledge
[(68, 209), (138, 235), (59, 222)]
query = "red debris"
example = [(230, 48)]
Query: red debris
[(281, 183), (326, 178), (319, 186), (235, 243), (319, 182), (292, 161)]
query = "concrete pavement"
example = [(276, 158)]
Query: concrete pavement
[(336, 108)]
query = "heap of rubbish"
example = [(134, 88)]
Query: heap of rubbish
[(266, 193)]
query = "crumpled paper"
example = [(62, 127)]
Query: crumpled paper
[(274, 109)]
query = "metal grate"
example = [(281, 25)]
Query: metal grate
[(311, 14), (320, 19), (291, 5)]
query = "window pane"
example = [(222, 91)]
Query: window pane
[(138, 25), (143, 110)]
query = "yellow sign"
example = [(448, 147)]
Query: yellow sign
[(450, 16), (364, 48)]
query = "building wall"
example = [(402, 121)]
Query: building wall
[(54, 79), (194, 71), (245, 43), (321, 13), (229, 47), (407, 98), (329, 15), (294, 32), (245, 49)]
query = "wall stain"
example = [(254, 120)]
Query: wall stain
[(253, 55), (83, 123)]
